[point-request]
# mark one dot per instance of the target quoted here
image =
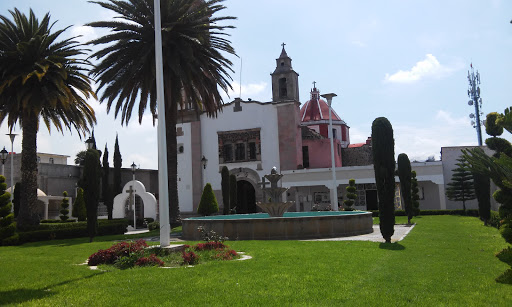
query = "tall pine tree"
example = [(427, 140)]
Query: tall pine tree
[(461, 188), (118, 162)]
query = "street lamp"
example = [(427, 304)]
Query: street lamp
[(134, 167), (334, 188), (3, 157), (204, 162), (12, 136), (89, 143)]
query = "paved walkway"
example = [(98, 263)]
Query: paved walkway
[(400, 232)]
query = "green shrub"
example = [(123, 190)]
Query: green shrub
[(506, 231), (79, 210), (491, 127), (383, 151), (208, 204), (153, 226), (351, 194), (7, 224), (233, 196), (495, 220), (505, 255), (64, 207), (404, 173), (225, 189)]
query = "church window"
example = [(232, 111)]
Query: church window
[(283, 92), (334, 136), (252, 151), (228, 152), (239, 146), (240, 151), (305, 156)]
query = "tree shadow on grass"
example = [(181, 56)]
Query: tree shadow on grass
[(19, 296), (392, 246)]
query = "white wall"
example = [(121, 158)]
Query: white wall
[(253, 115)]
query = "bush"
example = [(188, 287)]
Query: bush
[(210, 235), (79, 210), (154, 225), (50, 231), (116, 251), (506, 231), (505, 256), (495, 220), (190, 258), (64, 205), (209, 246), (152, 260), (226, 255), (208, 204)]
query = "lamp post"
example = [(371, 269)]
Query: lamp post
[(334, 188), (204, 162), (134, 167), (12, 136), (89, 143), (3, 156)]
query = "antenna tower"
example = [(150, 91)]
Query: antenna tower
[(474, 95)]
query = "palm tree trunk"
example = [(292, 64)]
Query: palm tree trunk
[(171, 112), (28, 215)]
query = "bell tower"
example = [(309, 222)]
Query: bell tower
[(285, 81)]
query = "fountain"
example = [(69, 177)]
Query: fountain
[(277, 224), (274, 207)]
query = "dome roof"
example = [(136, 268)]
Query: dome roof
[(39, 192), (316, 109)]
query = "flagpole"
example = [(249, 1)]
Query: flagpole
[(163, 188)]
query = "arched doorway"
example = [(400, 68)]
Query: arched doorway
[(246, 197)]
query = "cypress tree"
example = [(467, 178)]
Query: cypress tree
[(383, 150), (225, 188), (16, 198), (404, 173), (8, 235), (233, 194), (415, 194), (118, 162), (208, 204), (351, 194), (91, 176), (108, 199), (79, 211), (461, 188), (483, 194), (64, 205)]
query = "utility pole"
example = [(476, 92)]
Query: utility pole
[(474, 95)]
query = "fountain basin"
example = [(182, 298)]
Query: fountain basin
[(292, 226)]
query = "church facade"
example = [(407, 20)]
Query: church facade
[(251, 137)]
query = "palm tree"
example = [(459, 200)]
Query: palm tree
[(41, 78), (193, 63)]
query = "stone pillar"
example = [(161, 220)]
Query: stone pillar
[(46, 202)]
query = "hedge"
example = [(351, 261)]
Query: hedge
[(469, 212), (50, 231)]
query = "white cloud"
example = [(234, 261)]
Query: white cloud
[(427, 68), (85, 33), (254, 91)]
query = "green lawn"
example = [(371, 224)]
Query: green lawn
[(445, 260)]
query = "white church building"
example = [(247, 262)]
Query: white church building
[(251, 137)]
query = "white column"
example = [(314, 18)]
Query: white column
[(165, 228), (46, 201)]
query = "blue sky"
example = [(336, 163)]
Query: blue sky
[(405, 60)]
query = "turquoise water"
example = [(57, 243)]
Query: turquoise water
[(265, 215)]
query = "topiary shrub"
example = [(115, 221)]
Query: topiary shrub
[(506, 230), (79, 210), (351, 195), (404, 173), (383, 150), (16, 198), (415, 194), (208, 204), (8, 235), (64, 205)]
